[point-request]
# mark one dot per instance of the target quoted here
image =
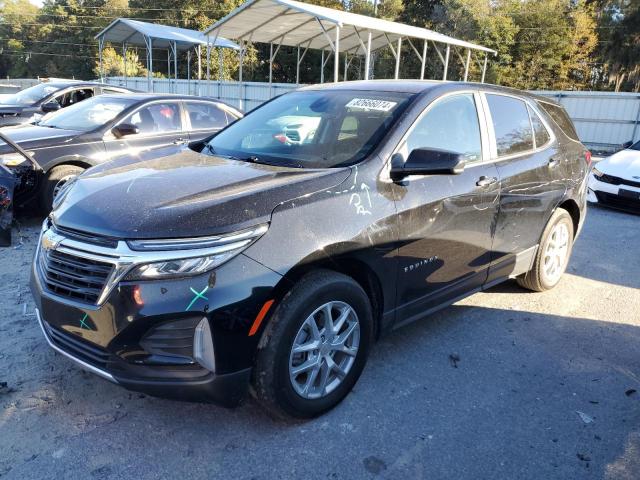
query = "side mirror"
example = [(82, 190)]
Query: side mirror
[(426, 161), (124, 129), (627, 144), (50, 106)]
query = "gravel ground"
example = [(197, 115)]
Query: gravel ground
[(505, 384)]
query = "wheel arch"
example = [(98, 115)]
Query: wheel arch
[(348, 265), (573, 209), (76, 160)]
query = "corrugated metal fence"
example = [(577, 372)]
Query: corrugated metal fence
[(252, 94), (604, 120)]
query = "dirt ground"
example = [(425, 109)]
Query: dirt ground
[(505, 384)]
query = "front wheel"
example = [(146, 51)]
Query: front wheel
[(553, 254), (314, 347), (54, 181)]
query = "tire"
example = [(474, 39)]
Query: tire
[(538, 279), (54, 179), (273, 385)]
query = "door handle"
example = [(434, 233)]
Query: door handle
[(484, 181), (554, 162)]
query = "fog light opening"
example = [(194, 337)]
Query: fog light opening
[(203, 346)]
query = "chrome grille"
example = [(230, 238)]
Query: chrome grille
[(72, 276)]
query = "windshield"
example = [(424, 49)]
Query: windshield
[(635, 146), (88, 114), (312, 129), (30, 96)]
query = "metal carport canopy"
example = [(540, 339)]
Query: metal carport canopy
[(133, 32), (297, 24), (154, 36)]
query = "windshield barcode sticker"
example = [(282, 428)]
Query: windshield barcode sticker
[(371, 104)]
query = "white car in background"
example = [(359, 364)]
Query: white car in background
[(615, 181)]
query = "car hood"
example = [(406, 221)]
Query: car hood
[(624, 164), (187, 194), (34, 136)]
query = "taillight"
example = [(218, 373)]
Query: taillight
[(587, 158)]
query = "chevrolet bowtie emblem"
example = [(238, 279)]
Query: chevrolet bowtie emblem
[(51, 240)]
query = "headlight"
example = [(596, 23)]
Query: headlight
[(62, 193), (12, 159), (597, 172), (191, 256)]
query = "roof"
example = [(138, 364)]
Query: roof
[(419, 86), (295, 23), (134, 31)]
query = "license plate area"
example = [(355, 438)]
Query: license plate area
[(630, 194)]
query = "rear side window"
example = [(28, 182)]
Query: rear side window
[(451, 124), (511, 124), (539, 130), (204, 115), (560, 116)]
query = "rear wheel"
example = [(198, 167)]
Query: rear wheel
[(54, 181), (314, 347), (553, 254)]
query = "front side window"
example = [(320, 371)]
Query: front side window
[(74, 96), (312, 128), (204, 115), (451, 124), (511, 124), (156, 118), (87, 116), (539, 130)]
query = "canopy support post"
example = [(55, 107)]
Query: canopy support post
[(466, 66), (484, 67), (367, 61), (446, 62), (220, 71), (189, 72), (336, 62), (208, 68), (100, 47), (424, 58), (322, 67), (298, 68), (199, 53), (397, 71), (346, 65), (124, 62), (242, 49)]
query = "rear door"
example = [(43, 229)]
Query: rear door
[(205, 119), (532, 172), (160, 124), (445, 221)]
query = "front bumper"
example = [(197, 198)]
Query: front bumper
[(142, 336), (621, 197)]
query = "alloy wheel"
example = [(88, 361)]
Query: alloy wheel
[(556, 251), (324, 350)]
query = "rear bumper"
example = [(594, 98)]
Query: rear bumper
[(227, 390)]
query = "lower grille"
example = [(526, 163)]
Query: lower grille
[(72, 276), (617, 201), (91, 354)]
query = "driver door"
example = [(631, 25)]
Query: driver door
[(445, 222)]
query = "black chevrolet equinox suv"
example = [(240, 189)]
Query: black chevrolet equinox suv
[(271, 256)]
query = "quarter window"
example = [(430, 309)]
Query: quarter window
[(157, 118), (203, 115), (511, 124), (561, 117), (451, 124), (539, 130)]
